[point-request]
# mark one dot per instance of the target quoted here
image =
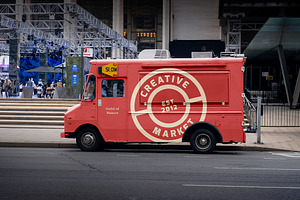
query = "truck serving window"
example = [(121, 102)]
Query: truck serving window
[(112, 88), (89, 93)]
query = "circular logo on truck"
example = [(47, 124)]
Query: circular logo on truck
[(165, 102)]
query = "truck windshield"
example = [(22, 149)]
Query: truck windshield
[(90, 91)]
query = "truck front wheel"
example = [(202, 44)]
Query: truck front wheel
[(203, 141), (88, 139)]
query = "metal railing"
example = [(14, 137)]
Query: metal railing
[(251, 115), (276, 112), (280, 115)]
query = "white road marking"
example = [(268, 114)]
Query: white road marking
[(287, 154), (255, 168), (127, 155), (200, 156), (274, 159), (241, 186)]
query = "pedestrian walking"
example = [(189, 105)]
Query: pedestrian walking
[(7, 87), (39, 91), (21, 88)]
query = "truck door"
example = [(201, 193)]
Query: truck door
[(112, 110), (88, 104)]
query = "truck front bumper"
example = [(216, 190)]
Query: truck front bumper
[(67, 135)]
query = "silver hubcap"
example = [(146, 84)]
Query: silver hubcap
[(203, 141), (88, 139)]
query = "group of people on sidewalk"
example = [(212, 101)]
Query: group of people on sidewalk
[(43, 90), (39, 89)]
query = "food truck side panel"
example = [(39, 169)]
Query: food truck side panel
[(168, 99)]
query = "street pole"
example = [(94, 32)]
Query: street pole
[(258, 120), (82, 75)]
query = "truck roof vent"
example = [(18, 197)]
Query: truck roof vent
[(154, 54), (205, 54)]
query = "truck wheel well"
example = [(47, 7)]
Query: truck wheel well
[(198, 125), (87, 126)]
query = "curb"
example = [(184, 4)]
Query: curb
[(139, 146), (38, 145), (249, 148)]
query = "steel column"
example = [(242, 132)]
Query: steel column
[(285, 74), (296, 91)]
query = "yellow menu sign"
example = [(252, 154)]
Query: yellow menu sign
[(110, 69)]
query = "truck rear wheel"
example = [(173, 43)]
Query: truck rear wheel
[(88, 139), (203, 141)]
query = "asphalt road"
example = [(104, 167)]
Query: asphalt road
[(40, 173)]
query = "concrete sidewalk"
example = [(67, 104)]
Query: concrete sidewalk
[(273, 138)]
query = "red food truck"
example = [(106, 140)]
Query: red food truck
[(160, 100)]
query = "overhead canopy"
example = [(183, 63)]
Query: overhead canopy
[(60, 66), (279, 40), (275, 32), (45, 70)]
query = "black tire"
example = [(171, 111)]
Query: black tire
[(203, 141), (88, 139)]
